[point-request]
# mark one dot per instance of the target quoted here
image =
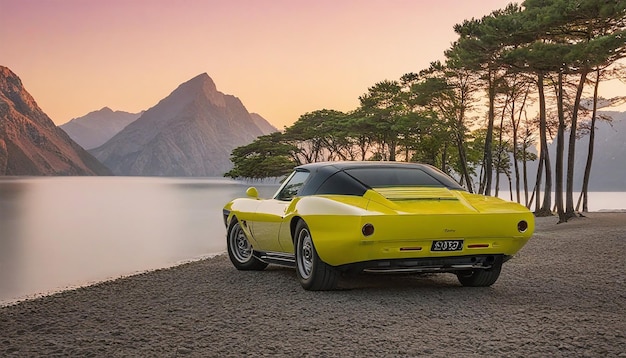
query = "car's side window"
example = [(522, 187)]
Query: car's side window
[(291, 188)]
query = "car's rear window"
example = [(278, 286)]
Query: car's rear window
[(385, 177)]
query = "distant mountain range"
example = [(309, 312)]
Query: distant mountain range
[(97, 127), (191, 132), (30, 143)]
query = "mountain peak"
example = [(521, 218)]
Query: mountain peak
[(97, 127), (202, 77), (201, 81), (200, 86), (11, 86), (8, 78), (191, 132), (30, 143)]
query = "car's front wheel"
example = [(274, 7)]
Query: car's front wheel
[(313, 273), (240, 250), (480, 277)]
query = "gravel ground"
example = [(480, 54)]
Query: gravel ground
[(563, 295)]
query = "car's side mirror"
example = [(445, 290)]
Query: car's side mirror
[(252, 192)]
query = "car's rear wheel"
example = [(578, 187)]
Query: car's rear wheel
[(240, 250), (480, 277), (313, 273)]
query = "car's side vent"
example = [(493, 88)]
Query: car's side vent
[(414, 193)]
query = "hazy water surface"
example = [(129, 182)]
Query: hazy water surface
[(64, 232)]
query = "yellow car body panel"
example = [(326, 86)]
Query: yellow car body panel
[(406, 221)]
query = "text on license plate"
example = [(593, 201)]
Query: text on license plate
[(447, 245)]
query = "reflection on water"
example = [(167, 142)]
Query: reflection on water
[(69, 231)]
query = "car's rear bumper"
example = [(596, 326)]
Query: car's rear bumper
[(427, 264)]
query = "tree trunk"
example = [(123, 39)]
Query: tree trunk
[(560, 142), (592, 135), (463, 162), (489, 137), (364, 147), (497, 184), (571, 150), (545, 209), (500, 149), (547, 192), (524, 161), (515, 125), (508, 176), (525, 174), (537, 190), (481, 179), (459, 133), (515, 163), (444, 156)]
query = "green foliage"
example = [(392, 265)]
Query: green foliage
[(320, 136), (268, 156)]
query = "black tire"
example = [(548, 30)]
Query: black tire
[(480, 277), (240, 250), (313, 273)]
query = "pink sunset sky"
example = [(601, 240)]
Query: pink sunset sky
[(282, 58)]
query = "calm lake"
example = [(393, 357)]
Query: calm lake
[(64, 232)]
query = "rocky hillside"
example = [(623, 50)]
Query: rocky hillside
[(189, 133), (264, 125), (95, 128), (30, 143)]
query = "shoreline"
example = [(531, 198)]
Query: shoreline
[(34, 296)]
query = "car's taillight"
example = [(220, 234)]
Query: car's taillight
[(368, 229), (522, 226)]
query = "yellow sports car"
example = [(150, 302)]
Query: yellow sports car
[(381, 217)]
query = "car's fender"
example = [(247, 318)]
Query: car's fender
[(331, 219)]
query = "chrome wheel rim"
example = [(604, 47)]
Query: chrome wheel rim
[(305, 254), (240, 247)]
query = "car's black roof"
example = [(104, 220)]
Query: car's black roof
[(320, 182)]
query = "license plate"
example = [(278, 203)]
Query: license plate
[(447, 245)]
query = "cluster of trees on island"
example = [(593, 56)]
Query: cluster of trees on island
[(512, 81)]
